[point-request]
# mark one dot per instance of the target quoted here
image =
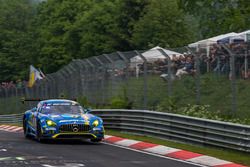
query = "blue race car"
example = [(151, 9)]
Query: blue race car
[(62, 119)]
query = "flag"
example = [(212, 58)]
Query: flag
[(41, 73), (34, 75)]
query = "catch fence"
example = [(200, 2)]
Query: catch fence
[(215, 76)]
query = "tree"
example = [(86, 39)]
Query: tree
[(162, 24), (109, 26), (67, 30), (57, 38), (15, 17), (218, 16)]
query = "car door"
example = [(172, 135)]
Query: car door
[(33, 117)]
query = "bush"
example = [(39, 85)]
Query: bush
[(118, 103), (83, 101), (168, 105)]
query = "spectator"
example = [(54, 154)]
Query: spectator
[(187, 68), (19, 84)]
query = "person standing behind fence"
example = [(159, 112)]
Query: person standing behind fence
[(187, 68)]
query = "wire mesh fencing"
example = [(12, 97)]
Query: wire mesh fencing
[(214, 77)]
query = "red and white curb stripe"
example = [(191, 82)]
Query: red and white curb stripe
[(10, 128), (154, 149), (170, 152)]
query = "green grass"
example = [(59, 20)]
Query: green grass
[(229, 155)]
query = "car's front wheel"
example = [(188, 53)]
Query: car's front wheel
[(25, 129), (96, 140), (39, 133)]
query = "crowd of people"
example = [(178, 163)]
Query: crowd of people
[(12, 84), (179, 64), (216, 59)]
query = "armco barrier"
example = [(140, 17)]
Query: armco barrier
[(11, 119), (178, 128), (169, 126)]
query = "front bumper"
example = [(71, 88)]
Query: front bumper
[(74, 136), (55, 133)]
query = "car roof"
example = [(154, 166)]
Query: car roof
[(58, 101)]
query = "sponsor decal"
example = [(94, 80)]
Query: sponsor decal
[(97, 128), (55, 116), (86, 118), (72, 120), (50, 128)]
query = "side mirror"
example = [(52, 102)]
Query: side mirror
[(33, 109), (87, 110)]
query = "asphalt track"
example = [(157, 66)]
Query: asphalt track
[(16, 151)]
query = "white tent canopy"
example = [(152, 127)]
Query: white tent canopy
[(154, 55), (209, 41), (243, 35)]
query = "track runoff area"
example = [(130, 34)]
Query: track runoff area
[(15, 150)]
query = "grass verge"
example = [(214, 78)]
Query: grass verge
[(224, 154)]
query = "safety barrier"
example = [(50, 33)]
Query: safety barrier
[(11, 119), (169, 126), (178, 128)]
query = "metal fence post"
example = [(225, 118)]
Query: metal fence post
[(245, 65), (84, 81), (16, 98), (79, 87), (102, 78), (232, 77), (145, 82), (112, 73), (93, 91), (51, 85), (169, 78), (6, 99), (197, 75), (127, 65), (127, 61), (72, 86)]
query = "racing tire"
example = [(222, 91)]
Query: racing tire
[(25, 129), (95, 140), (39, 134)]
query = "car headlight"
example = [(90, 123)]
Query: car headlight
[(50, 123), (95, 123)]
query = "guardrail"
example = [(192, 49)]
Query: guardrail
[(178, 128), (11, 119), (169, 126)]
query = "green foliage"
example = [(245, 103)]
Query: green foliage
[(162, 24), (15, 17), (215, 98), (121, 101), (200, 111), (218, 17), (118, 103), (51, 33), (83, 101), (168, 104)]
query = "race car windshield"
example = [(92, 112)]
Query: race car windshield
[(62, 109)]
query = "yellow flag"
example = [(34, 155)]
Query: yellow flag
[(34, 75)]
